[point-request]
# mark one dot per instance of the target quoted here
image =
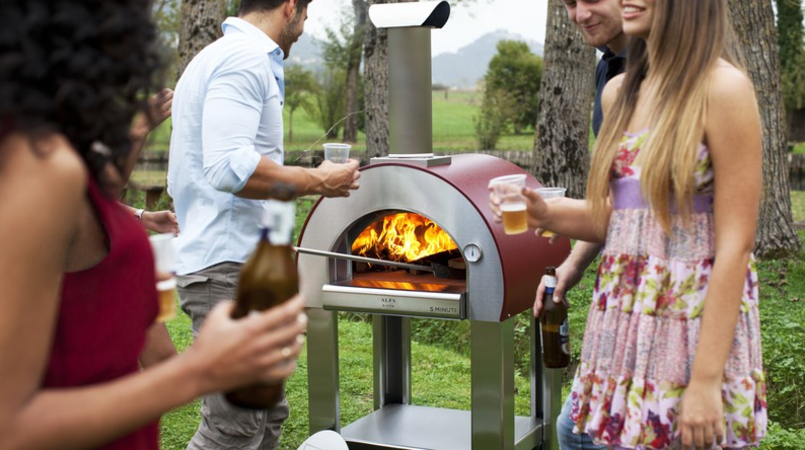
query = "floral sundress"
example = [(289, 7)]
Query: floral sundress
[(644, 320)]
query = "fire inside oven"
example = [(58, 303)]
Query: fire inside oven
[(434, 283), (409, 238)]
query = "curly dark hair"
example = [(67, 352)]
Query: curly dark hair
[(80, 68)]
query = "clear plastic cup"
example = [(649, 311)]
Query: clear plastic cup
[(546, 193), (336, 152), (508, 190), (164, 263)]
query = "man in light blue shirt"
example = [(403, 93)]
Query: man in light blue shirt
[(226, 157)]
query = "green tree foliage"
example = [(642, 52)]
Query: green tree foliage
[(169, 23), (791, 43), (491, 120), (330, 102), (300, 84), (340, 51), (517, 73)]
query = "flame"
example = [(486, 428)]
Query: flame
[(402, 237)]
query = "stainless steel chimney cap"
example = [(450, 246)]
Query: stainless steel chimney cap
[(410, 14)]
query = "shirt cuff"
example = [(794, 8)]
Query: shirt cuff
[(243, 162)]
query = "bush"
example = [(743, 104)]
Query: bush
[(779, 438), (491, 121)]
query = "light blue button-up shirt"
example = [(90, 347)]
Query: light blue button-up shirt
[(227, 115)]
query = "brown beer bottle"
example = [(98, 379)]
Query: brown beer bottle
[(268, 278), (555, 329)]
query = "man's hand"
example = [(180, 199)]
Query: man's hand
[(567, 276), (569, 273), (161, 222), (338, 179)]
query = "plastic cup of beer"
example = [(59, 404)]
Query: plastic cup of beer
[(508, 190), (336, 152), (162, 247), (546, 193)]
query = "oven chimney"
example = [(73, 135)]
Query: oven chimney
[(410, 107)]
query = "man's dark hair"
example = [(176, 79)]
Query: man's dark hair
[(79, 68), (247, 6)]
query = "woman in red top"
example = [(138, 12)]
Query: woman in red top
[(76, 273)]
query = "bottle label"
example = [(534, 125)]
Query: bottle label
[(550, 282), (564, 336), (278, 218)]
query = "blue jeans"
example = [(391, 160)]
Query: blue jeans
[(564, 432)]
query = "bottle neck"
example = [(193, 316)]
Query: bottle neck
[(550, 284), (274, 237), (278, 222)]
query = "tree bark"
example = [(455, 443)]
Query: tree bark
[(757, 39), (353, 70), (561, 155), (201, 26)]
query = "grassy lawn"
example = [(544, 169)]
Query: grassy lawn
[(798, 205)]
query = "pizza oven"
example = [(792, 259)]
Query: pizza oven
[(418, 240)]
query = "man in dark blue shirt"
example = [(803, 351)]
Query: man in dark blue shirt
[(601, 25), (611, 64)]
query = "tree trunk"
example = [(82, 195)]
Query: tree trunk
[(201, 26), (376, 88), (353, 71), (757, 37), (561, 155)]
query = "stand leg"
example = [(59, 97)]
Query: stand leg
[(392, 360), (546, 391), (492, 385), (322, 370)]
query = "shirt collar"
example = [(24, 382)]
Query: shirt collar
[(255, 34), (609, 54)]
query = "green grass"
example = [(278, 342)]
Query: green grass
[(149, 178), (178, 426), (799, 148), (798, 205)]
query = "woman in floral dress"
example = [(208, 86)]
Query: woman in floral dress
[(671, 354)]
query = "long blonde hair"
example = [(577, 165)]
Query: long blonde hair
[(687, 38)]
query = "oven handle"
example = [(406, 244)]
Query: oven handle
[(381, 262)]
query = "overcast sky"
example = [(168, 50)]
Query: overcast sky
[(467, 23)]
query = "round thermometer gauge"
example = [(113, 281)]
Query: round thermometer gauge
[(472, 252)]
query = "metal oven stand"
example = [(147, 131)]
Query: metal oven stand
[(397, 424)]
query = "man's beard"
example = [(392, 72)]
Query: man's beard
[(288, 35)]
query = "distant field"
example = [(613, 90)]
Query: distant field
[(452, 128)]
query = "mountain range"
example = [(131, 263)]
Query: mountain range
[(461, 70)]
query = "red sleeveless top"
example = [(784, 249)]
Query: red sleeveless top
[(105, 312)]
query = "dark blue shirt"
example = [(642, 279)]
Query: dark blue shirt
[(609, 66)]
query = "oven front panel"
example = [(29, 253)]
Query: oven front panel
[(399, 187)]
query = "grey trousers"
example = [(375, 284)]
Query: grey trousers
[(224, 426)]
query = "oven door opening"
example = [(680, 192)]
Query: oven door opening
[(438, 290)]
